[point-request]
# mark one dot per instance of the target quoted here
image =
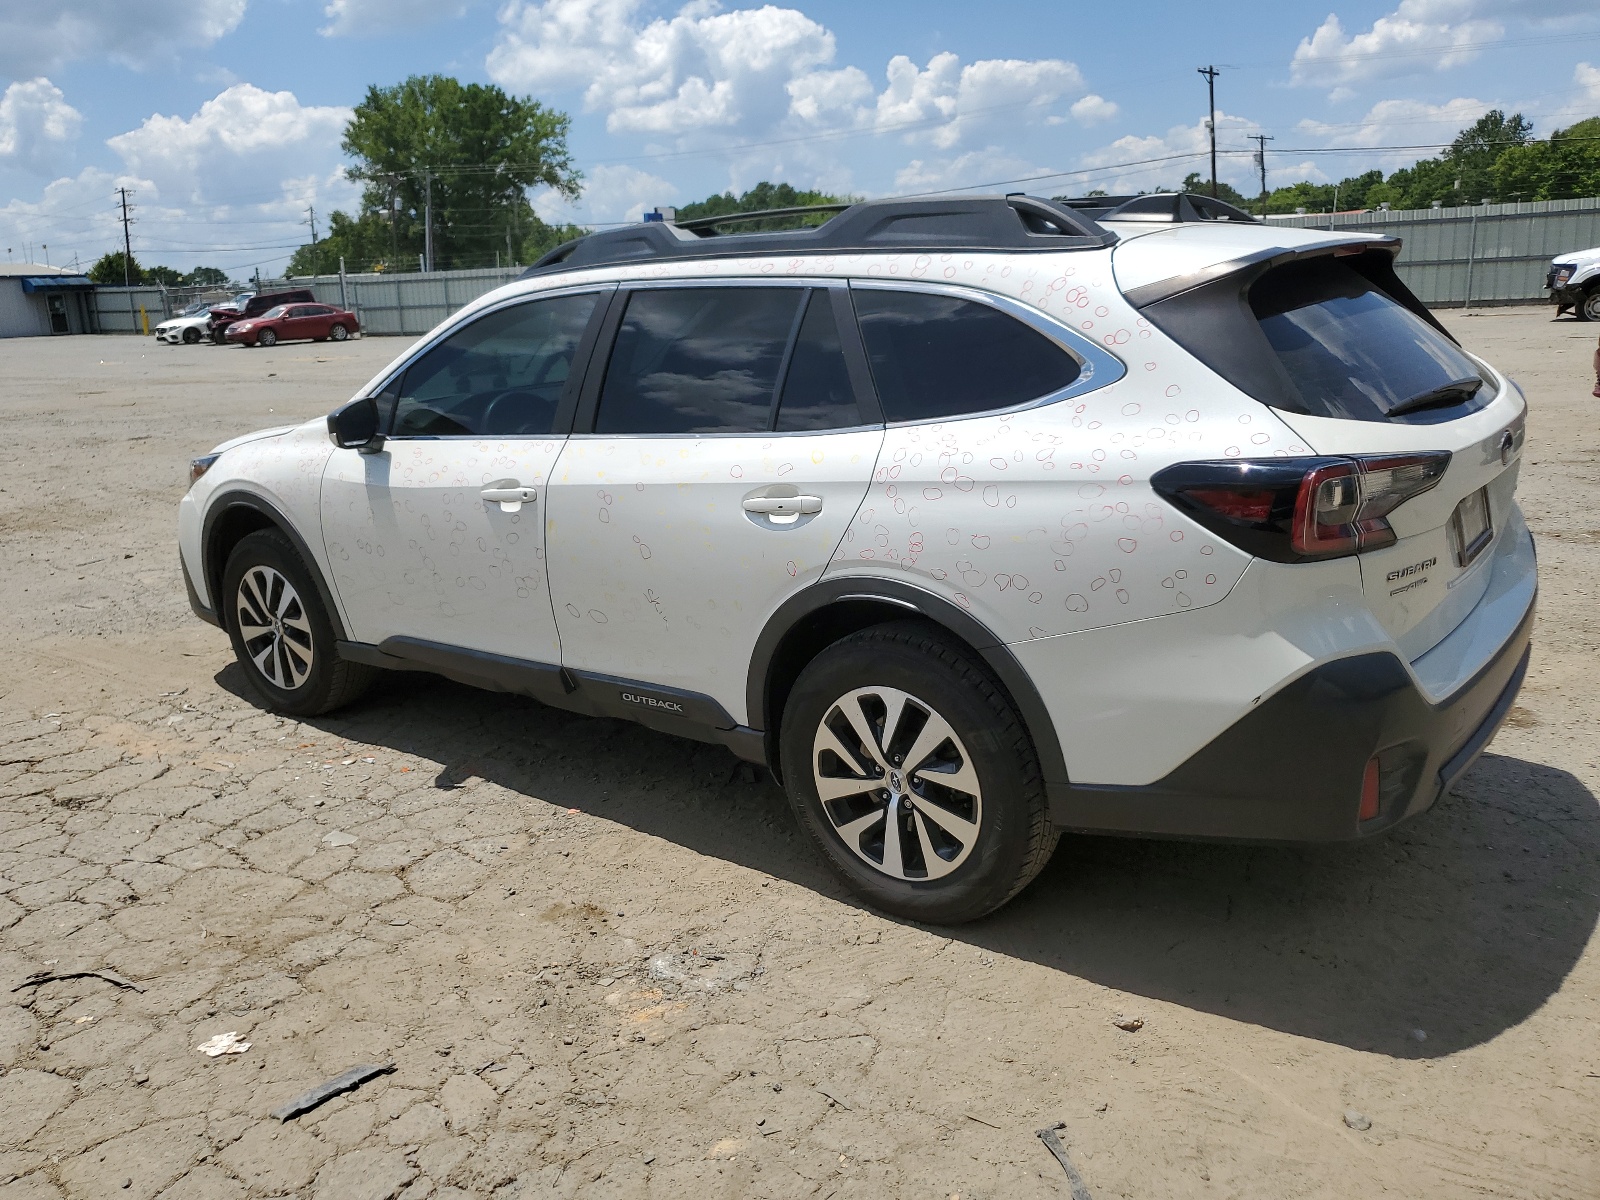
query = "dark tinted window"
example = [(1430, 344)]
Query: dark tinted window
[(697, 360), (940, 356), (1349, 349), (816, 390), (503, 374)]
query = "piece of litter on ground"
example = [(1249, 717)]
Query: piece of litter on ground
[(1360, 1122), (346, 762), (1052, 1140), (343, 1082), (369, 760), (39, 977), (980, 1120), (223, 1043), (1129, 1024), (339, 837), (402, 921), (1419, 1035)]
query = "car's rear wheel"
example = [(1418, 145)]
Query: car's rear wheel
[(910, 769), (338, 333), (191, 335), (280, 630), (266, 338)]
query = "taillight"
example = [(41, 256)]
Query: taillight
[(1301, 509)]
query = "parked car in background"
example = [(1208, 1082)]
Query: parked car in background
[(1574, 283), (187, 327), (224, 315), (976, 519), (295, 323)]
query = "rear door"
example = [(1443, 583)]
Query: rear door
[(726, 446)]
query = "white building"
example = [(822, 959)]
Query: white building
[(36, 300)]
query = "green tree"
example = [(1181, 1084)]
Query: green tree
[(108, 270), (1566, 166), (760, 198), (164, 276), (206, 277), (473, 147)]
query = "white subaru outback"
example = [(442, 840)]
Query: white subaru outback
[(975, 519)]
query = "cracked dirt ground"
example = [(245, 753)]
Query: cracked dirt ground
[(604, 963)]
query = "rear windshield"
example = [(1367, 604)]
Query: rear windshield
[(1350, 350)]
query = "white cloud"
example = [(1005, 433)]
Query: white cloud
[(974, 168), (239, 147), (373, 18), (1181, 150), (35, 38), (1092, 109), (35, 122), (1399, 123), (73, 216), (754, 70), (610, 194)]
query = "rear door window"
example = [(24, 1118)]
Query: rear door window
[(817, 393), (502, 375), (698, 360), (936, 356)]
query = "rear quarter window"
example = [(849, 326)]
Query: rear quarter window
[(936, 356)]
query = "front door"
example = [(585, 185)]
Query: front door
[(731, 439), (436, 541), (57, 304)]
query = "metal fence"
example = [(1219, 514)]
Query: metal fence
[(127, 310), (1476, 254), (401, 304)]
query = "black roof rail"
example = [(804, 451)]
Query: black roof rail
[(926, 224), (1156, 207)]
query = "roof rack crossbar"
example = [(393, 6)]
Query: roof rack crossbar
[(761, 215)]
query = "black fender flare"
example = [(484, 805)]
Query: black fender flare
[(911, 601), (211, 569)]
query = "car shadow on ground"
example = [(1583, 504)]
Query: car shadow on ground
[(1458, 926)]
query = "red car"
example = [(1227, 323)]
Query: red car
[(294, 322)]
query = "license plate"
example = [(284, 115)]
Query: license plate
[(1470, 528)]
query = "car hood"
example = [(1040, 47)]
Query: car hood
[(258, 435), (1579, 258)]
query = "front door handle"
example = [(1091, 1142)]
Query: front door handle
[(783, 506), (510, 499)]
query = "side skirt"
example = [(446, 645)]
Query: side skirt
[(668, 710)]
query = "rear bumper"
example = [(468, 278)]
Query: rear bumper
[(1291, 770)]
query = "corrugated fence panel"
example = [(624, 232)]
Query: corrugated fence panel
[(116, 309), (1483, 254), (406, 305)]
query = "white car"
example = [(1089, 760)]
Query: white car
[(187, 327), (975, 519), (1574, 283)]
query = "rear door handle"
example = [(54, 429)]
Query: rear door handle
[(510, 499), (783, 506)]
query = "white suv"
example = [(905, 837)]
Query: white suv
[(975, 519)]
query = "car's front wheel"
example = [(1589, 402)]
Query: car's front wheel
[(266, 338), (191, 336), (1588, 309), (910, 769), (280, 630)]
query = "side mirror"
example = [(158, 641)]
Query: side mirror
[(355, 426)]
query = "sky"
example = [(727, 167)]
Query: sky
[(222, 118)]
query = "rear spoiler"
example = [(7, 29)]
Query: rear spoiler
[(1373, 258)]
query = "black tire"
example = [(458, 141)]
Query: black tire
[(266, 338), (1588, 309), (1015, 836), (219, 337), (330, 682), (191, 335), (338, 332)]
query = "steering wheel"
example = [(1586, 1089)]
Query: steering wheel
[(504, 405)]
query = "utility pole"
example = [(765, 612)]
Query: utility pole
[(427, 221), (311, 219), (1211, 74), (1261, 140), (127, 242)]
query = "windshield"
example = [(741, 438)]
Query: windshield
[(1349, 349), (196, 309)]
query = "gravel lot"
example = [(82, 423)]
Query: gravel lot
[(604, 962)]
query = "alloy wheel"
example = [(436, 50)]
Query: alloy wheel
[(274, 627), (897, 784)]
